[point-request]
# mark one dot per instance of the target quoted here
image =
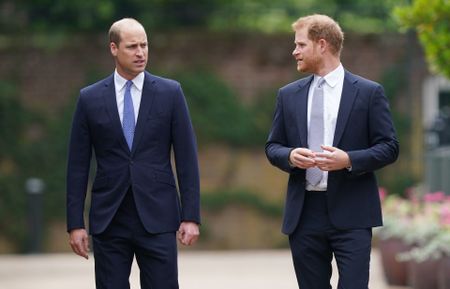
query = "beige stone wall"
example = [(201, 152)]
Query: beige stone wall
[(227, 167)]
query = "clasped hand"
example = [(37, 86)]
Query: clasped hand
[(330, 159)]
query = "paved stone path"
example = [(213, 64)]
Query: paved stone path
[(197, 270)]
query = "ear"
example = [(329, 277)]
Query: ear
[(113, 47), (323, 44)]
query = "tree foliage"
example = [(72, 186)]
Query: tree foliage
[(430, 18), (93, 16), (363, 16)]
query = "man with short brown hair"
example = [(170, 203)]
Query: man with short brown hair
[(330, 132)]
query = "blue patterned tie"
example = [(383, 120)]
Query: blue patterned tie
[(128, 122), (316, 131)]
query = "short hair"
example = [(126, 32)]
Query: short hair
[(116, 28), (322, 27)]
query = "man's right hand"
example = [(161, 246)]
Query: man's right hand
[(302, 158), (79, 242)]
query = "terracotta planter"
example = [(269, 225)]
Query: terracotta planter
[(394, 271), (423, 275), (443, 273)]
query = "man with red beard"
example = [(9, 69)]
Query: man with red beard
[(133, 120), (331, 131)]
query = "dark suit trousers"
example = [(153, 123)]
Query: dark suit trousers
[(314, 242), (125, 237)]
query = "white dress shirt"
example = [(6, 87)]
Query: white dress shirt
[(332, 91), (136, 93)]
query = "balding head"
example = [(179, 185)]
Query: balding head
[(121, 25), (129, 47)]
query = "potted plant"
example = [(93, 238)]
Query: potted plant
[(430, 234), (396, 220)]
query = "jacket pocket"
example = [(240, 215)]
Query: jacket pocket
[(99, 183), (163, 177)]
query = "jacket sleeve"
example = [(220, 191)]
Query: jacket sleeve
[(185, 152), (277, 148), (79, 158), (383, 145)]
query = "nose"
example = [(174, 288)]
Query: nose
[(140, 52), (295, 51)]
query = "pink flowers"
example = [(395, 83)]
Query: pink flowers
[(445, 215), (382, 192), (441, 206), (421, 220), (435, 197)]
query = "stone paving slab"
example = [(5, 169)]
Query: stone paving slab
[(197, 270)]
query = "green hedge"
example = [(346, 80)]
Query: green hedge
[(217, 113)]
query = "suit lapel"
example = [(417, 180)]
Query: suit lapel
[(302, 115), (349, 92), (109, 96), (148, 95)]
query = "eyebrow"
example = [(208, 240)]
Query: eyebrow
[(136, 43)]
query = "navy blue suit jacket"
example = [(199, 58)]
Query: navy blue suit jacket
[(364, 130), (163, 123)]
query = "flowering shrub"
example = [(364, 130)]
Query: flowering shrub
[(396, 216), (439, 244), (421, 220)]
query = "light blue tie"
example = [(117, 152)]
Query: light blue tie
[(128, 122), (316, 131)]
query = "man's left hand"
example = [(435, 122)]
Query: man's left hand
[(332, 159), (188, 233)]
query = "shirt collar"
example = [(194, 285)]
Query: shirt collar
[(120, 82), (333, 77)]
